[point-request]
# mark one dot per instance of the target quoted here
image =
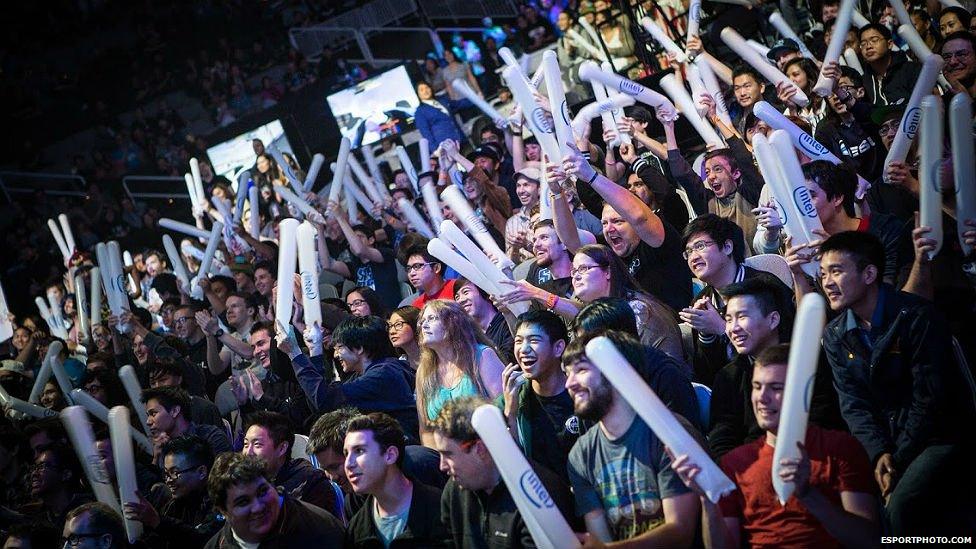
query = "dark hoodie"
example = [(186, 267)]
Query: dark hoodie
[(385, 386), (897, 82), (299, 479), (299, 525)]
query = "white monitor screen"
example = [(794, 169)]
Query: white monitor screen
[(234, 155), (375, 108)]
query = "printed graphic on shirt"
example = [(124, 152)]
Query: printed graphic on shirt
[(630, 497), (364, 277)]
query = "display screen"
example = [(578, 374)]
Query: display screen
[(234, 155), (375, 108)]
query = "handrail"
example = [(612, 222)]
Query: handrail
[(150, 178), (7, 189)]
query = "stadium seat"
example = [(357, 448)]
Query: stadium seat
[(704, 395), (327, 291), (299, 446)]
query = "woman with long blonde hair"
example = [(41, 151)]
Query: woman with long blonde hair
[(456, 359)]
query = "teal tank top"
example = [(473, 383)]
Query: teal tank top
[(464, 387)]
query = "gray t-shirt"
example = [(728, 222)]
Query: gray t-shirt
[(627, 478), (390, 527)]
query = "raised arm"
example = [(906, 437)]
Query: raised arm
[(359, 248), (325, 259), (648, 225)]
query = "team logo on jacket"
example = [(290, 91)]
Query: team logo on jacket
[(534, 490)]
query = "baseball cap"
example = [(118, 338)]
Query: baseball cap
[(530, 173), (783, 45), (13, 366), (882, 114)]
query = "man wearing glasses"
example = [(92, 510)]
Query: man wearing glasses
[(888, 75), (959, 54), (426, 275), (94, 525), (188, 519)]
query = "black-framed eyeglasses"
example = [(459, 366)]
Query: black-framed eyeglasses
[(357, 303), (417, 267), (398, 325), (182, 320), (173, 475), (583, 269), (74, 540), (696, 247)]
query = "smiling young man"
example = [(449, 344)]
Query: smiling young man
[(269, 436), (959, 53), (476, 505), (833, 503), (257, 516), (479, 307), (398, 511), (553, 262), (748, 86), (167, 415), (518, 228), (622, 480), (534, 399), (426, 274), (899, 387)]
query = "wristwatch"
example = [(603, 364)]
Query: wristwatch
[(219, 332)]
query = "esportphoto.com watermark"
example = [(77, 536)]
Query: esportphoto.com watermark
[(926, 539)]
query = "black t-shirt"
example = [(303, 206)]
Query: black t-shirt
[(381, 277), (551, 441), (542, 277), (662, 272)]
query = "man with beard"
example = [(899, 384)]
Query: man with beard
[(537, 406), (258, 516), (649, 246), (269, 384), (959, 53), (188, 519), (622, 478), (269, 436), (476, 505)]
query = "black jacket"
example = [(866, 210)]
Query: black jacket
[(897, 82), (185, 522), (475, 519), (732, 421), (299, 525), (300, 480), (905, 393), (424, 527)]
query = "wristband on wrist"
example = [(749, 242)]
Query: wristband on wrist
[(551, 300), (592, 178)]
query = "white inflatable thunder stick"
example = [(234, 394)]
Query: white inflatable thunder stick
[(287, 260), (535, 116), (69, 236), (83, 309), (680, 96), (663, 39), (414, 218), (313, 171), (858, 19), (96, 296), (308, 268), (407, 166), (184, 228), (793, 176), (211, 249), (590, 72), (784, 28), (374, 170), (802, 141), (602, 96), (825, 86), (197, 181), (464, 89), (59, 239), (456, 237), (930, 171), (600, 108), (443, 251), (97, 409), (10, 403), (546, 524), (82, 438), (191, 191), (175, 259), (622, 375), (299, 203), (909, 125), (920, 49), (963, 159), (365, 180), (428, 191), (338, 173), (735, 42), (773, 175), (714, 90), (798, 390), (578, 39), (694, 18), (130, 382), (462, 209), (557, 102), (125, 467)]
